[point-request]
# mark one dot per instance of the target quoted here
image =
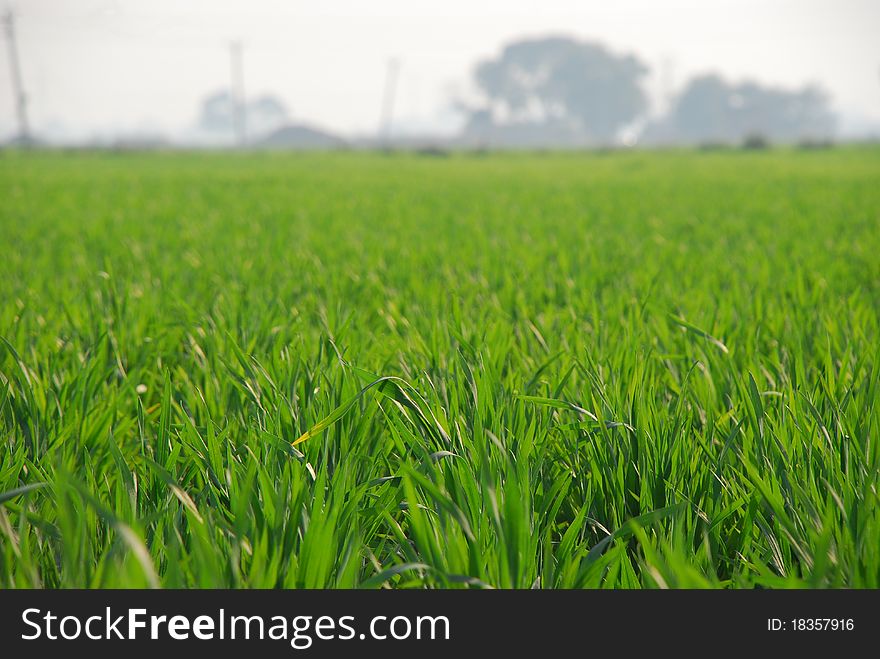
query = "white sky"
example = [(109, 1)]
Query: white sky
[(99, 66)]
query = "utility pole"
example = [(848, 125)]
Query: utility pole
[(667, 82), (391, 76), (236, 93), (24, 136)]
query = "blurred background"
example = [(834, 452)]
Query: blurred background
[(452, 74)]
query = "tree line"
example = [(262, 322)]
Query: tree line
[(560, 90)]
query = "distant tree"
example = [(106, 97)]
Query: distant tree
[(265, 114), (560, 82), (711, 109), (217, 113)]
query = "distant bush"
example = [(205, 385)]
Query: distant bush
[(755, 142), (810, 144), (433, 152), (713, 146)]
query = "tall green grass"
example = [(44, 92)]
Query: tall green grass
[(551, 371)]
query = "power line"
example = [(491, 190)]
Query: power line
[(17, 85)]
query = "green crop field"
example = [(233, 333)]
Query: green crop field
[(613, 370)]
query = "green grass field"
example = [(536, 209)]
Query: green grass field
[(613, 370)]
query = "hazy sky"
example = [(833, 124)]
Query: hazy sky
[(102, 66)]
